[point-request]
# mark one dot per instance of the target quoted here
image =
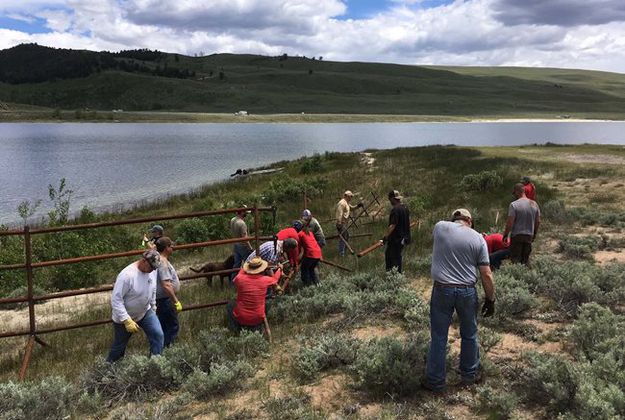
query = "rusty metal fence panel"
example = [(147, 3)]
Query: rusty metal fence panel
[(33, 332)]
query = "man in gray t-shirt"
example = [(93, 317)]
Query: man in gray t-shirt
[(167, 286), (459, 253), (522, 225)]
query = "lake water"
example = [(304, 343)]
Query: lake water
[(107, 164)]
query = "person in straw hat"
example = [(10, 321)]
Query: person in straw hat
[(252, 282)]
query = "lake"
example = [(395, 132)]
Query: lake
[(107, 164)]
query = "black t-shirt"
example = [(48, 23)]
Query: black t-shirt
[(400, 217)]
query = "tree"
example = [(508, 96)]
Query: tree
[(27, 209), (60, 198)]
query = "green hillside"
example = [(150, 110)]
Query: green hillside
[(153, 81)]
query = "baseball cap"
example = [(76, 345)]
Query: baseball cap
[(157, 228), (395, 194), (461, 213), (306, 214), (153, 257), (349, 193)]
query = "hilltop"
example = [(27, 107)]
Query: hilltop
[(40, 79)]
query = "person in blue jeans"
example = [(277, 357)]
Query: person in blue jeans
[(458, 250), (167, 286), (134, 304)]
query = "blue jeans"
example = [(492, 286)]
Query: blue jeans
[(345, 234), (497, 257), (241, 252), (150, 326), (442, 305), (168, 317)]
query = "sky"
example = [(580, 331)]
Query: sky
[(586, 34)]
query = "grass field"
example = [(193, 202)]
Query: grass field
[(226, 83), (547, 351)]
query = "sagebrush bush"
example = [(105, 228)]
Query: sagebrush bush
[(578, 247), (592, 332), (391, 366), (488, 338), (555, 211), (52, 398), (496, 403), (217, 345), (482, 181), (223, 377), (327, 351), (513, 299)]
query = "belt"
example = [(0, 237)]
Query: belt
[(456, 286)]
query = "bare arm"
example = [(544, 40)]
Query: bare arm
[(536, 226), (168, 288), (389, 231), (487, 282), (508, 228)]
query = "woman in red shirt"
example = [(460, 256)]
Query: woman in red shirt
[(251, 284), (311, 253)]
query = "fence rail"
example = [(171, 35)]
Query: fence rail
[(28, 266)]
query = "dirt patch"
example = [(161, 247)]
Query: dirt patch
[(604, 257), (54, 311), (512, 346), (593, 158), (329, 394), (367, 333)]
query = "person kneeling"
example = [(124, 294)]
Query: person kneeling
[(248, 311)]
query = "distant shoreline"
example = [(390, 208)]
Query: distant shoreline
[(94, 116)]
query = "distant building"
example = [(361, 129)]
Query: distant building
[(240, 113)]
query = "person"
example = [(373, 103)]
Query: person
[(497, 249), (252, 283), (274, 253), (529, 187), (310, 255), (292, 232), (156, 232), (133, 304), (238, 229), (167, 286), (343, 209), (398, 232), (457, 251), (522, 225), (314, 226)]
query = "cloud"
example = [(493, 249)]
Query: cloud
[(559, 12), (460, 32)]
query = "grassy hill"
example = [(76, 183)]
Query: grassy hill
[(224, 83)]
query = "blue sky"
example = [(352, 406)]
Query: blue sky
[(586, 34)]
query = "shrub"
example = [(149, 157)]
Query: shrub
[(592, 331), (325, 352), (49, 399), (283, 189), (201, 230), (497, 404), (488, 338), (482, 181), (312, 164), (292, 407), (223, 377), (217, 345), (580, 248), (513, 299), (132, 378), (555, 211), (390, 366)]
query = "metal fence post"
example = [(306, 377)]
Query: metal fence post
[(28, 254), (256, 229)]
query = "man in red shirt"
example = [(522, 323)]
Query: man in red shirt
[(251, 284), (498, 250), (292, 232), (311, 252), (529, 187)]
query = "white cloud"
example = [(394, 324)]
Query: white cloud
[(465, 32)]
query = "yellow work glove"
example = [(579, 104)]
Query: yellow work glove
[(131, 326), (178, 306)]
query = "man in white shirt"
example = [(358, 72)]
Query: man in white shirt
[(134, 305)]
